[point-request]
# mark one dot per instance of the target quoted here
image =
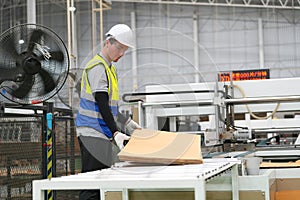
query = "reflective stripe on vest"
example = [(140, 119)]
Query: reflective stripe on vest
[(88, 112)]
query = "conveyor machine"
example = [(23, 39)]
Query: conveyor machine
[(238, 115), (238, 119)]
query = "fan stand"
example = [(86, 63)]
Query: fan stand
[(49, 146), (34, 63)]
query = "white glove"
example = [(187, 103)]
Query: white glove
[(131, 126), (120, 138)]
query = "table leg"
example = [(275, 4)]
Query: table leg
[(200, 191), (235, 182), (125, 195), (102, 194), (37, 192)]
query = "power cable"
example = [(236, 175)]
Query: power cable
[(248, 109)]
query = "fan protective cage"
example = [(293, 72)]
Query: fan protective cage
[(32, 57)]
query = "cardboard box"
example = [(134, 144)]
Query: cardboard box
[(185, 195), (288, 195), (287, 189)]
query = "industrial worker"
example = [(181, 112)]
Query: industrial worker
[(98, 113)]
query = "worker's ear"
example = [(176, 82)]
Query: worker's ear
[(107, 42)]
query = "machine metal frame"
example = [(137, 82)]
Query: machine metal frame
[(263, 96)]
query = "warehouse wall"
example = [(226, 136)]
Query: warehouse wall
[(227, 39)]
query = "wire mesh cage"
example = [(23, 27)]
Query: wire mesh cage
[(21, 154)]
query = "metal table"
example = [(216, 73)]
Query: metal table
[(124, 177)]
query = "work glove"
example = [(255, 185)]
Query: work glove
[(131, 126), (120, 138)]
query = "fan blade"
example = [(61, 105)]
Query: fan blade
[(10, 75), (34, 38), (57, 55), (48, 80), (26, 86)]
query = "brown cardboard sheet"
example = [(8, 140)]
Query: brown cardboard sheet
[(280, 164), (151, 146)]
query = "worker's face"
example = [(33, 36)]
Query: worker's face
[(116, 50)]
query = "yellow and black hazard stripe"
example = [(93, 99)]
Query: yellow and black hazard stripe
[(49, 140)]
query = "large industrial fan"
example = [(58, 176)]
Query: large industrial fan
[(34, 64)]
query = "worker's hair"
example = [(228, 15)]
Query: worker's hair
[(111, 39)]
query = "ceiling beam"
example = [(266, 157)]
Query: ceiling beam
[(277, 4)]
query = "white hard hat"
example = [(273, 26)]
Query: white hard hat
[(122, 33)]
